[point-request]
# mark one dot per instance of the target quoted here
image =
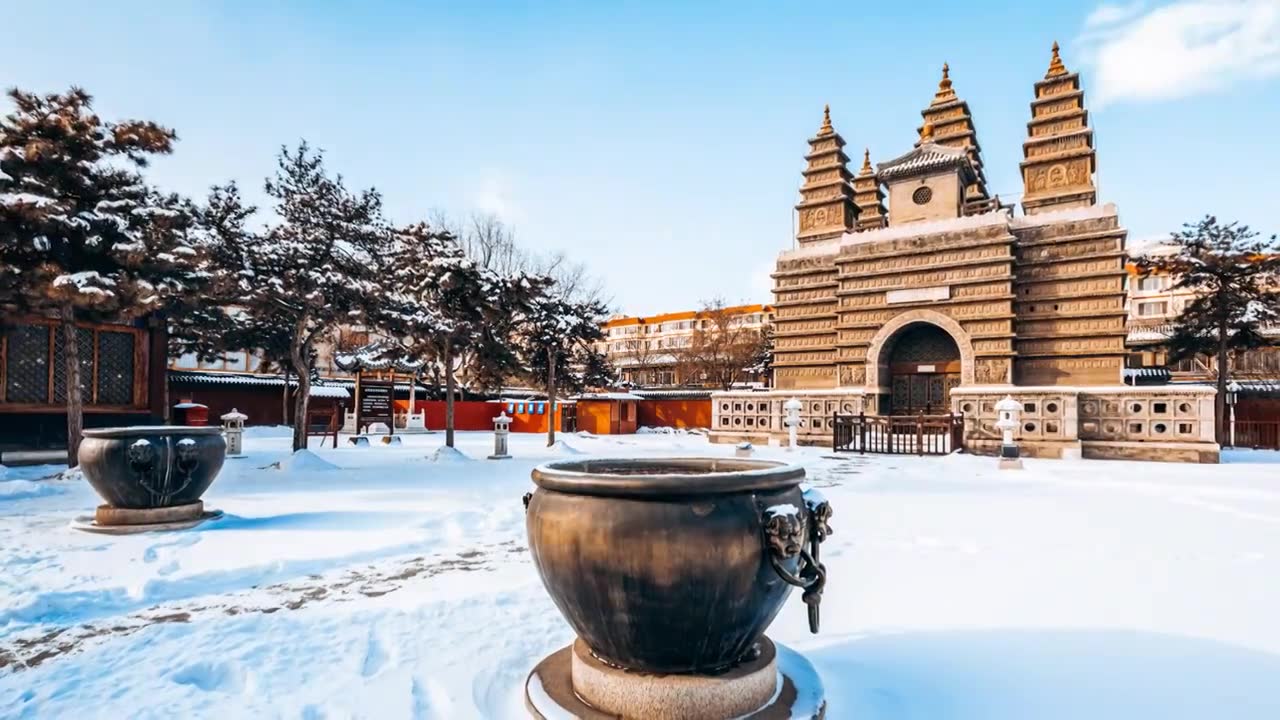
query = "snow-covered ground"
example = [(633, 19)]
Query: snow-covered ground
[(389, 582)]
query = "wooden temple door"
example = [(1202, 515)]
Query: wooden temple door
[(928, 393), (924, 366)]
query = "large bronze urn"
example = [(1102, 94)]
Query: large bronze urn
[(675, 565), (151, 467)]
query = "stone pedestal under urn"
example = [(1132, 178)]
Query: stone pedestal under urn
[(670, 571), (150, 477)]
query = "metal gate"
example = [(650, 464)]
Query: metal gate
[(898, 434)]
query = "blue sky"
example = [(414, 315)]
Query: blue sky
[(661, 143)]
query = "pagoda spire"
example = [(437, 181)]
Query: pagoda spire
[(869, 196), (826, 198), (945, 93), (949, 122), (1059, 158)]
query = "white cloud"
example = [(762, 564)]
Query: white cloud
[(492, 193), (1111, 14), (1179, 49)]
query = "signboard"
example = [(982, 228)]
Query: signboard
[(374, 404), (942, 292)]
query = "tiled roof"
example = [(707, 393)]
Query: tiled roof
[(927, 157)]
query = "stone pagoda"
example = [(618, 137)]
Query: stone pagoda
[(946, 301), (826, 199), (868, 196)]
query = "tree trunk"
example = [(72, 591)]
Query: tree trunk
[(449, 385), (284, 399), (551, 397), (300, 353), (75, 403), (1220, 400)]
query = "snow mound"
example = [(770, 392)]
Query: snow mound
[(22, 489), (646, 430), (585, 434), (308, 461), (447, 454), (565, 448), (268, 431)]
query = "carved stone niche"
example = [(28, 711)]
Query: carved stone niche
[(991, 371)]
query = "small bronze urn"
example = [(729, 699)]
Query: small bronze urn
[(675, 566)]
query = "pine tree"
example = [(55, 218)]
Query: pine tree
[(1235, 277), (312, 270), (557, 337), (217, 322), (446, 308), (82, 236)]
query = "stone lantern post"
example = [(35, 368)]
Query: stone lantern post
[(1008, 408), (233, 431), (1233, 391), (792, 407), (501, 429)]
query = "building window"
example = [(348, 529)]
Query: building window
[(34, 369), (922, 195), (1151, 282), (1153, 309)]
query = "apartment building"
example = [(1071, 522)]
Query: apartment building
[(653, 351)]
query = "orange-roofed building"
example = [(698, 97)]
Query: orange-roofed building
[(649, 351)]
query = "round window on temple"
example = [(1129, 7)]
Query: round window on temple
[(922, 195)]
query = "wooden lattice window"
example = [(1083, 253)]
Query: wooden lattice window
[(26, 377), (33, 366)]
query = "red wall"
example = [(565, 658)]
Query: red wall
[(260, 402), (479, 415), (676, 413)]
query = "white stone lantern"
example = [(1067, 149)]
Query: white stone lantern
[(1233, 391), (501, 429), (792, 407), (233, 430), (1008, 409)]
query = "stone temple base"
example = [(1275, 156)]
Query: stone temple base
[(110, 520), (778, 685)]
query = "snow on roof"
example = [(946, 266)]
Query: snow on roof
[(895, 232), (929, 156), (378, 355), (673, 394), (329, 391), (609, 396), (1047, 218)]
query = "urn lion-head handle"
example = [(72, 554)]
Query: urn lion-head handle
[(789, 532), (142, 458)]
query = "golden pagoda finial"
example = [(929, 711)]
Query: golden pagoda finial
[(945, 93), (866, 162), (1055, 65), (826, 128)]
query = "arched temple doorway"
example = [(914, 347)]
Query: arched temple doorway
[(924, 366)]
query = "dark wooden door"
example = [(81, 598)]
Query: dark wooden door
[(928, 393)]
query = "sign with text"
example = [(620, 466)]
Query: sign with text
[(375, 404)]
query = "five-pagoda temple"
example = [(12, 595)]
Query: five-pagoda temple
[(913, 289)]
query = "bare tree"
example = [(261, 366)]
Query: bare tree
[(723, 345), (640, 357)]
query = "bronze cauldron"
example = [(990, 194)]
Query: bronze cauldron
[(675, 565), (150, 467)]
